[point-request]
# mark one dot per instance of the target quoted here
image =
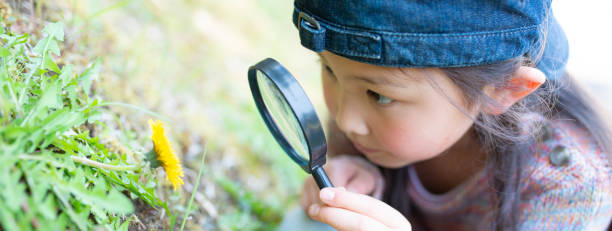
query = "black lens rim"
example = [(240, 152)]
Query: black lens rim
[(301, 107)]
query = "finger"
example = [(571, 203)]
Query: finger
[(342, 219), (362, 204)]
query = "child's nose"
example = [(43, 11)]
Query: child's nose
[(349, 117)]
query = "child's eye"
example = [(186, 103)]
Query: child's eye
[(329, 71), (380, 99)]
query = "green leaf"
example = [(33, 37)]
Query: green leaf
[(125, 225), (4, 52), (55, 29), (118, 203), (7, 219), (264, 211), (48, 209), (49, 64), (146, 193), (22, 39), (238, 220), (89, 74), (15, 40), (37, 141), (58, 223), (113, 202), (13, 192), (45, 45), (61, 120), (66, 75), (52, 48), (33, 170), (48, 100)]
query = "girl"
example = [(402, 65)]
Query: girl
[(452, 115)]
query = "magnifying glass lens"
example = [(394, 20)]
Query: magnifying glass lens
[(290, 117), (283, 116)]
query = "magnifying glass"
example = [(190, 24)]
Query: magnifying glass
[(290, 117)]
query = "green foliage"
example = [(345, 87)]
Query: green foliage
[(167, 59), (268, 214), (47, 116)]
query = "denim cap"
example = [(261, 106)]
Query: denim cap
[(434, 33)]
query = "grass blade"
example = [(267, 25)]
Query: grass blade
[(195, 189)]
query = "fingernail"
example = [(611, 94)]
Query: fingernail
[(313, 210), (327, 194)]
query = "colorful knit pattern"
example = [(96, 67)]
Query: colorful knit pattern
[(576, 195)]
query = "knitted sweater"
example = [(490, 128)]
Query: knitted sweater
[(572, 191)]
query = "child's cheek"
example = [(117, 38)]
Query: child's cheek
[(410, 142), (330, 98)]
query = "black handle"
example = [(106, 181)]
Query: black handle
[(321, 177)]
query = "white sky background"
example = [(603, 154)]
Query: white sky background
[(588, 26)]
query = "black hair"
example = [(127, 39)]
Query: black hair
[(506, 143)]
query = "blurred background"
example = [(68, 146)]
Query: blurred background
[(588, 26), (188, 61)]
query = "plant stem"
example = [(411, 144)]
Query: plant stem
[(135, 107), (40, 158), (96, 164), (195, 189)]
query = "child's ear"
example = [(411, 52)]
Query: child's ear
[(525, 81)]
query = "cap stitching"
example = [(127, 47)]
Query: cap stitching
[(483, 34)]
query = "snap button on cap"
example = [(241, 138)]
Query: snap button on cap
[(560, 156)]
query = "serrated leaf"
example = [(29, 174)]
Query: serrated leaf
[(48, 111), (119, 203), (7, 219), (56, 122), (71, 93), (14, 191), (144, 193), (48, 209), (38, 188), (61, 120), (114, 202), (48, 100)]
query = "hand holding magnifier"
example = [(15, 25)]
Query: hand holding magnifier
[(290, 117)]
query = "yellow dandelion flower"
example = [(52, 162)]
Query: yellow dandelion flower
[(165, 155)]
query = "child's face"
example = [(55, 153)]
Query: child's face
[(394, 117)]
